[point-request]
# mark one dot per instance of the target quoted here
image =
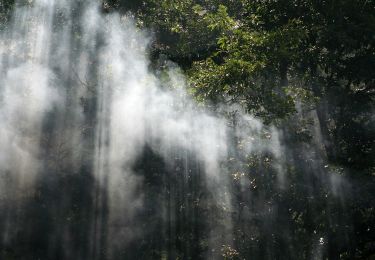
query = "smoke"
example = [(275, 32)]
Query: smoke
[(137, 109), (80, 91), (28, 92)]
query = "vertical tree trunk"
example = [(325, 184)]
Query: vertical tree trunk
[(322, 113), (283, 70)]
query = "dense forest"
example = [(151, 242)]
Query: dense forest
[(290, 82)]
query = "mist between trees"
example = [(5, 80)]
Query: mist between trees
[(187, 129)]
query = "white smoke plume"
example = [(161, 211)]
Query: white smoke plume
[(46, 66)]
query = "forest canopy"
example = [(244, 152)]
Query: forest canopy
[(270, 55), (306, 67)]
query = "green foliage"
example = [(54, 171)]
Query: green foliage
[(5, 10), (246, 66), (181, 29), (276, 58), (283, 61)]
